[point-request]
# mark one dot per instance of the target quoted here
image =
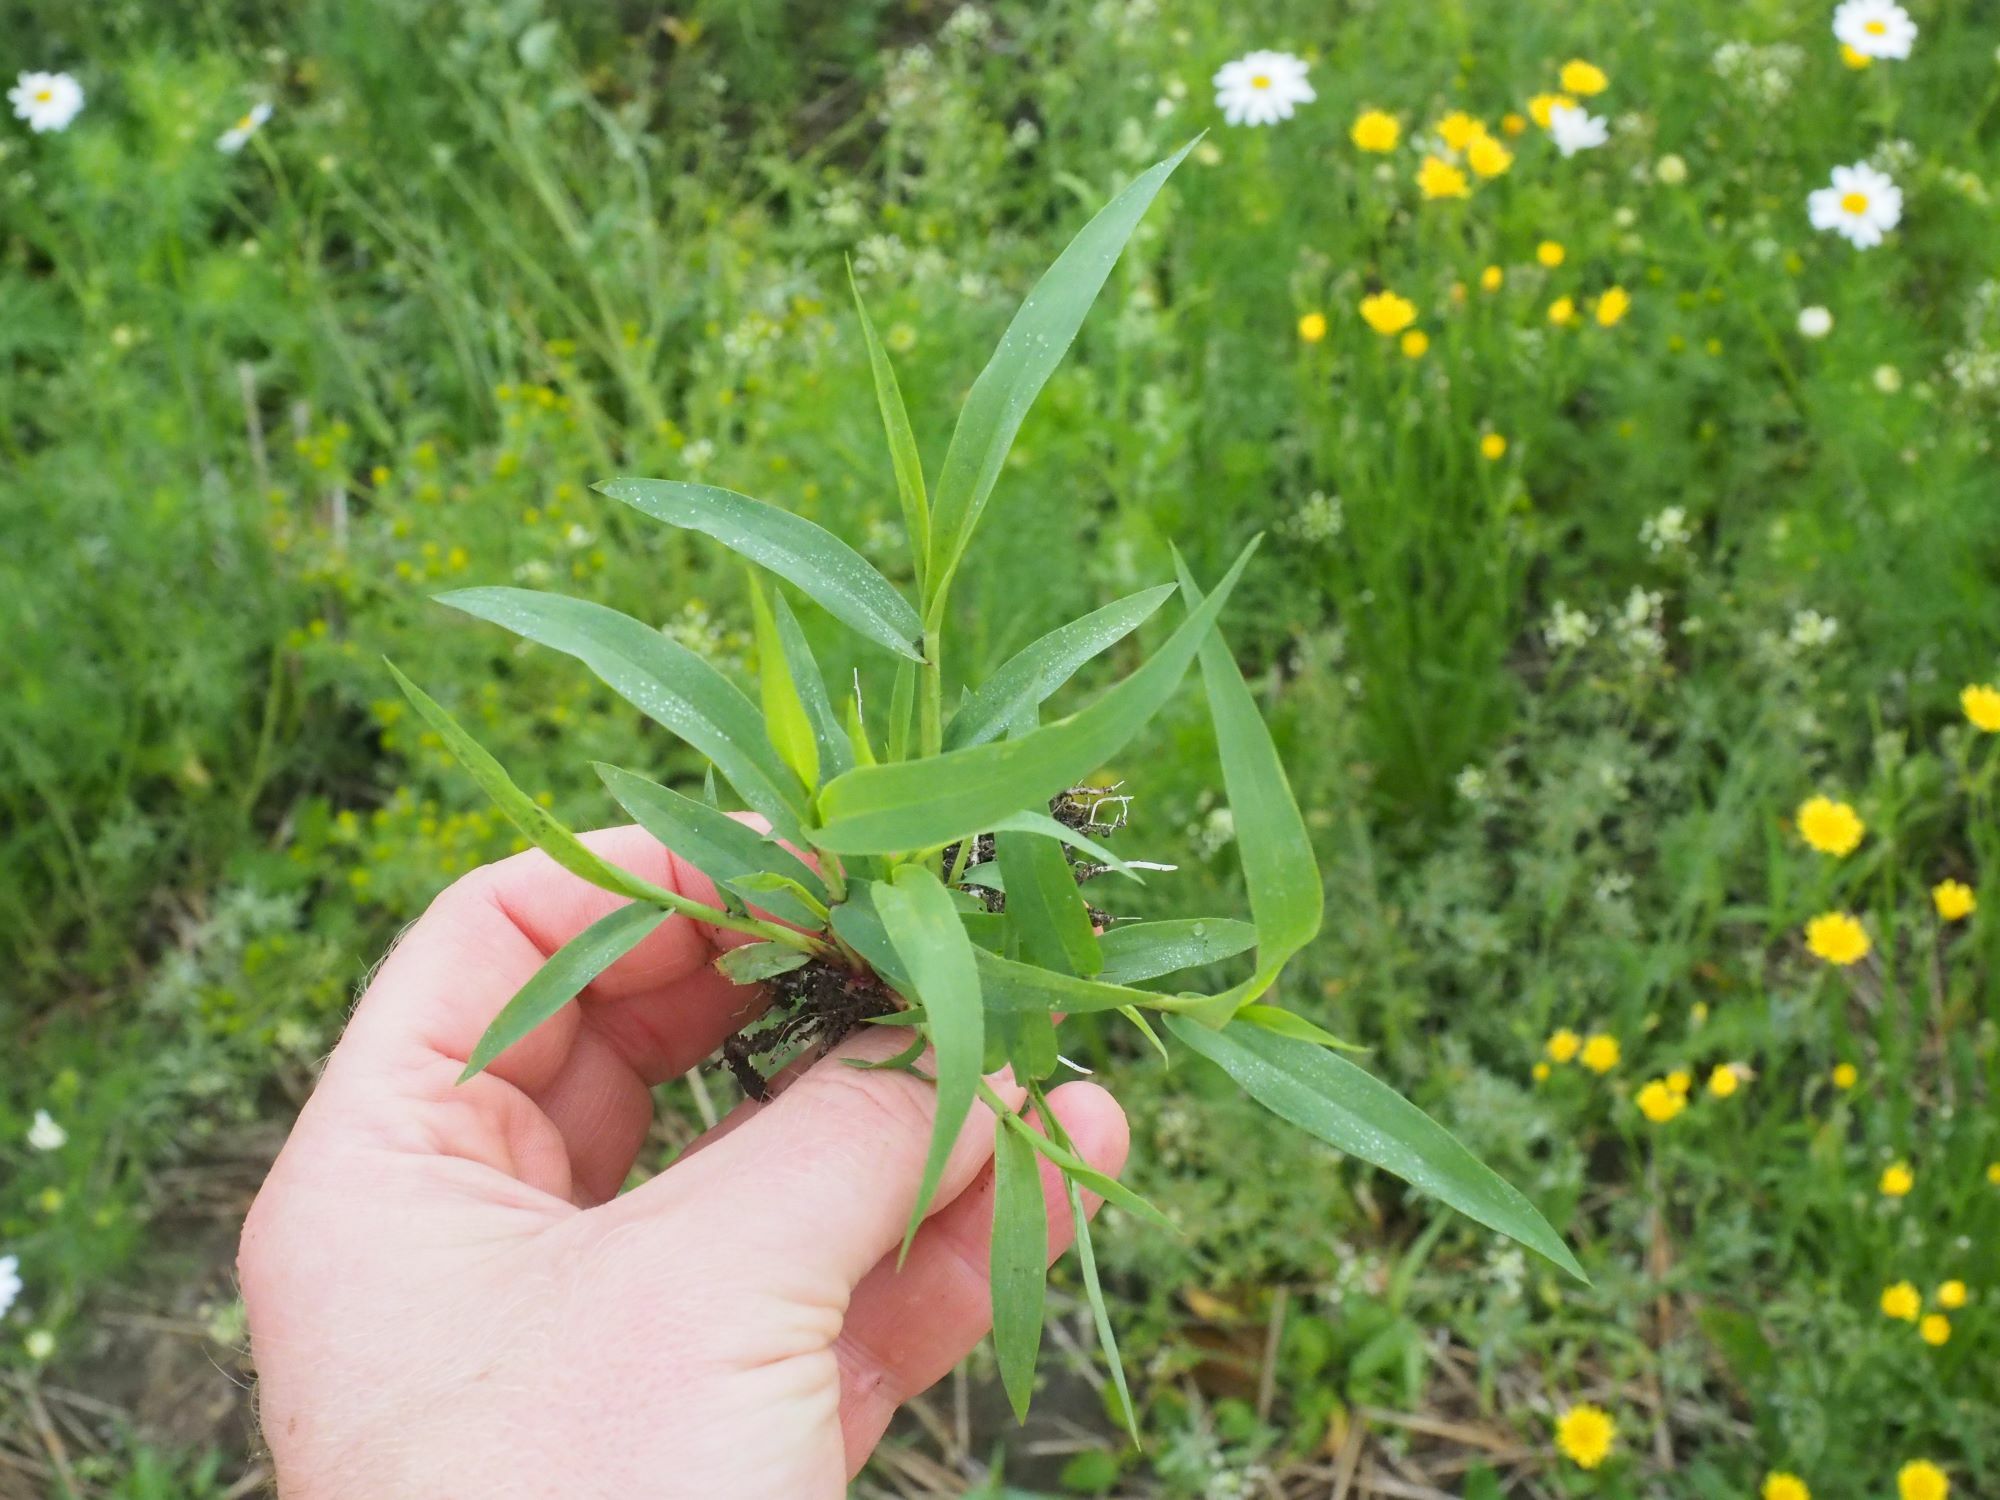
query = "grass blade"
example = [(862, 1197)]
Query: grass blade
[(928, 803), (566, 974), (839, 579), (1327, 1096), (835, 753), (786, 722), (721, 847), (1145, 950), (1044, 906), (903, 457), (1018, 1266)]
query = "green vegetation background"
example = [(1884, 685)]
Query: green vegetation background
[(255, 408)]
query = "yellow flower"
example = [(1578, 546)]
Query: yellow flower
[(1920, 1479), (1387, 313), (1312, 327), (1901, 1300), (1951, 1295), (1585, 1434), (1375, 130), (1512, 124), (1954, 900), (1845, 1075), (1993, 1173), (1550, 253), (1459, 130), (1680, 1081), (1491, 278), (1935, 1329), (1438, 178), (1854, 57), (1778, 1485), (1493, 447), (1659, 1101), (1415, 343), (1612, 306), (1981, 703), (1897, 1180), (1580, 77), (1541, 1072), (1562, 311), (1837, 937), (1487, 156), (1540, 106), (1600, 1054), (1724, 1081), (1562, 1044), (1830, 827)]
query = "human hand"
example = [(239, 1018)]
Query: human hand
[(449, 1296)]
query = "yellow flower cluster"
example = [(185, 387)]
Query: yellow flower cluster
[(1838, 937), (1778, 1485), (1830, 827), (1903, 1302), (1585, 1435), (1981, 703)]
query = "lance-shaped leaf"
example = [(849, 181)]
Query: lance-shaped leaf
[(902, 441), (835, 753), (1032, 675), (1010, 985), (1278, 865), (721, 847), (663, 680), (1329, 1097), (924, 804), (1018, 1265), (839, 579), (1044, 907), (1074, 1167), (568, 970), (754, 962), (922, 926), (1277, 1019), (1145, 950), (1093, 1290), (1029, 352), (536, 822), (786, 723)]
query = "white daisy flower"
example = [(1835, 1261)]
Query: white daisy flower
[(1874, 28), (1574, 129), (45, 1135), (47, 101), (1815, 322), (1862, 205), (10, 1281), (1262, 88), (232, 140)]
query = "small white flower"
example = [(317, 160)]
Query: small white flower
[(1862, 205), (45, 1135), (1874, 28), (1811, 630), (40, 1344), (1815, 322), (47, 101), (1470, 783), (1567, 627), (1262, 88), (1888, 379), (1671, 170), (1574, 128), (1668, 531), (232, 140), (10, 1282)]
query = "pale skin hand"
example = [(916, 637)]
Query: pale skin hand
[(449, 1296)]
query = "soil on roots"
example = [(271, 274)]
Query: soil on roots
[(813, 1006)]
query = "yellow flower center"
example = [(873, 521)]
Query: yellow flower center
[(1261, 81), (246, 123), (1854, 203), (1876, 28), (43, 96)]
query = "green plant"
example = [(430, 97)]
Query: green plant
[(925, 871)]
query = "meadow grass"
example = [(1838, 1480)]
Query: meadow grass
[(1553, 703)]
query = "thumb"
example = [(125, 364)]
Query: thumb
[(823, 1178)]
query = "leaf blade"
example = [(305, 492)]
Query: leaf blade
[(721, 847), (903, 456), (786, 723), (1145, 950), (1350, 1109), (1018, 1266), (839, 579)]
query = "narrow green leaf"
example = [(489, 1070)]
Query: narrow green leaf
[(560, 980), (857, 732), (922, 926), (1018, 1266), (927, 803), (1027, 1041), (536, 822), (835, 754), (1032, 675), (1029, 821), (1044, 906), (1137, 1017), (1029, 352), (839, 579), (902, 441), (786, 723), (902, 708), (1279, 869), (1110, 1189), (721, 847), (1329, 1097), (662, 679), (1275, 1018), (1145, 950), (1011, 985), (755, 962), (1093, 1289), (764, 885), (903, 1061)]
